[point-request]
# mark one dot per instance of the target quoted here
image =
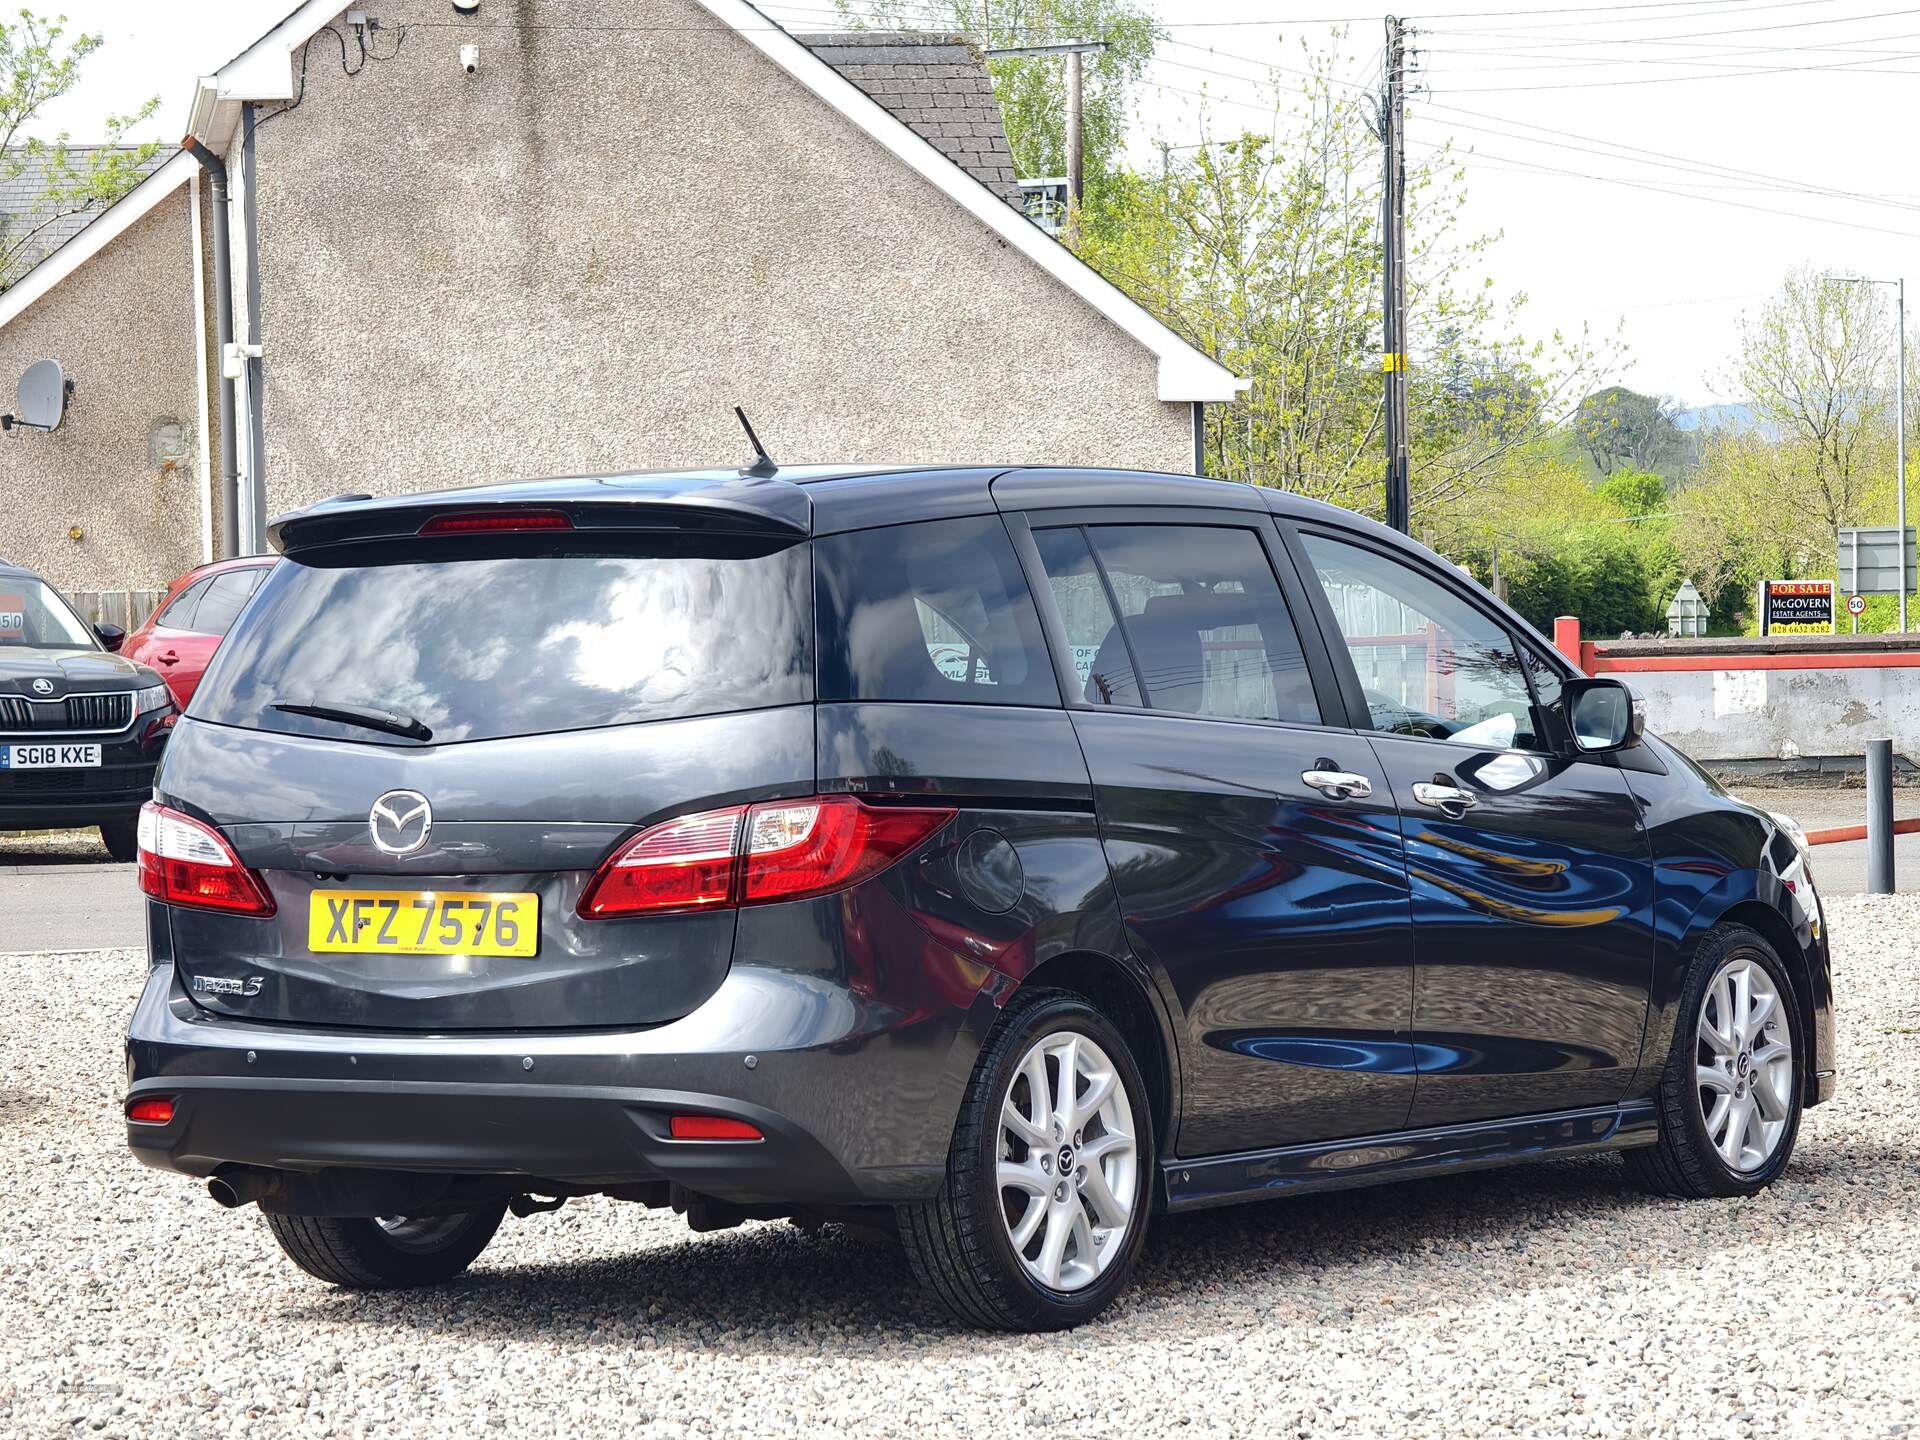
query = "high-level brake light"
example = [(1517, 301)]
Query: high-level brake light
[(780, 850), (496, 522)]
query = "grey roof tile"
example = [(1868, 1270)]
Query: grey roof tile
[(23, 179), (939, 86)]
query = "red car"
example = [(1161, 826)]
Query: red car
[(179, 638)]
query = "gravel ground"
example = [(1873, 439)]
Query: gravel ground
[(1544, 1300), (51, 847)]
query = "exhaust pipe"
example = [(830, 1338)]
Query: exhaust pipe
[(339, 1191), (235, 1185)]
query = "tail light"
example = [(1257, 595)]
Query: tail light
[(183, 862), (153, 1110), (781, 850)]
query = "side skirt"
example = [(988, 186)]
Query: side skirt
[(1379, 1159)]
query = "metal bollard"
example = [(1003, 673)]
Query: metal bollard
[(1879, 817)]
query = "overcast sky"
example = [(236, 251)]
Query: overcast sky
[(1768, 104)]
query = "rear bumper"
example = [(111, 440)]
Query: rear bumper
[(576, 1134), (855, 1106)]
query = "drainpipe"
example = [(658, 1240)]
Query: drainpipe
[(256, 376), (223, 326)]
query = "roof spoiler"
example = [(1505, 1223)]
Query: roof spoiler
[(716, 506)]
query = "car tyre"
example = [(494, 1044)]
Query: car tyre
[(397, 1253), (1711, 1091), (122, 839), (962, 1243)]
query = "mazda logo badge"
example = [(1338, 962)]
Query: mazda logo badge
[(401, 821), (43, 686)]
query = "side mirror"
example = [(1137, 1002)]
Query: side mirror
[(1604, 715), (111, 636)]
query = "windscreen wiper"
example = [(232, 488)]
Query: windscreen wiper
[(392, 722)]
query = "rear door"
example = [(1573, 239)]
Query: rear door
[(1252, 843), (171, 645), (218, 606), (572, 690), (1531, 879)]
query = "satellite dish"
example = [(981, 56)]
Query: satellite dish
[(43, 396)]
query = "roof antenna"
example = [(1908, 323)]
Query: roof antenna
[(763, 464)]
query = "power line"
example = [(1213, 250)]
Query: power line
[(1677, 163), (1520, 16), (1855, 66), (1637, 150), (1674, 189)]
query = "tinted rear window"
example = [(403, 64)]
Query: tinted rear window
[(934, 611), (518, 643)]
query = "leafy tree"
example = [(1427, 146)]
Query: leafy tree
[(1633, 492), (1032, 91), (40, 62), (1818, 363), (1621, 428), (1264, 252)]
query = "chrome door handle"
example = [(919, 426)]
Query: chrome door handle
[(1338, 784), (1450, 799)]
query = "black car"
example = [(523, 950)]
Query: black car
[(994, 857), (81, 729)]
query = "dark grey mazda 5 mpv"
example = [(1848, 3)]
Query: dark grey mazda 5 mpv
[(995, 858)]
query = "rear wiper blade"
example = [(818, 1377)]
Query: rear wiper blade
[(393, 722)]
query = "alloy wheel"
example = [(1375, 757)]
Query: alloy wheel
[(1067, 1161), (1743, 1065)]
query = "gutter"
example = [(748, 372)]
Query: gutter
[(216, 172)]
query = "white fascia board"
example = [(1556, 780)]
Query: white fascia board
[(101, 232), (1185, 373), (262, 71)]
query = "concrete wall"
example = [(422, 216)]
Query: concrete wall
[(580, 258), (1798, 698), (1782, 714), (123, 326)]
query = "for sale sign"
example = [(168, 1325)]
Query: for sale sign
[(1797, 607), (13, 617)]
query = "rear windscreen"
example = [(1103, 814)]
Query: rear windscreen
[(500, 643)]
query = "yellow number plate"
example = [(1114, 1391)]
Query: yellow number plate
[(423, 922)]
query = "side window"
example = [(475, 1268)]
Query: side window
[(1201, 616), (179, 614), (1431, 664), (934, 611), (1094, 641), (225, 596)]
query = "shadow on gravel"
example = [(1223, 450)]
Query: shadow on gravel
[(1313, 1259)]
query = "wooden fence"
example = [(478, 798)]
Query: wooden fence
[(125, 608)]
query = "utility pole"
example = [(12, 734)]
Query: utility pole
[(1076, 146), (1900, 441), (1076, 161), (1393, 229), (1166, 213), (1900, 319)]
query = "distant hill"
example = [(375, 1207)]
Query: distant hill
[(1737, 418)]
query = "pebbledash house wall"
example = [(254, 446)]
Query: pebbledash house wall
[(580, 258), (122, 325)]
